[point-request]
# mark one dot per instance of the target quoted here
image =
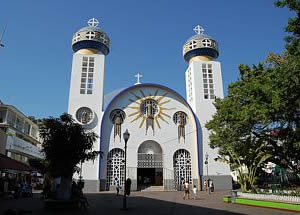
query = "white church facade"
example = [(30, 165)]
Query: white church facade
[(168, 142)]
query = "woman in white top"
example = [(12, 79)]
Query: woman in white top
[(195, 192)]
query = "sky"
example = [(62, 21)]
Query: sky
[(146, 36)]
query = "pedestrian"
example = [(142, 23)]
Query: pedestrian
[(118, 189), (205, 185), (186, 191), (212, 186), (127, 186), (195, 192)]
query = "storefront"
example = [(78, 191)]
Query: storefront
[(13, 172)]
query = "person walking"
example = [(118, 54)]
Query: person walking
[(195, 192), (211, 186), (118, 189), (186, 190), (205, 185)]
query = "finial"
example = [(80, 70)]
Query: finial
[(138, 76), (199, 29), (93, 22)]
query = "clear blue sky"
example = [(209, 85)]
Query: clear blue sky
[(146, 36)]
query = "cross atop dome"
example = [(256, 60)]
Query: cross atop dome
[(93, 22), (138, 76), (199, 29)]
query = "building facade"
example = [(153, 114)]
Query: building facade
[(168, 144), (19, 136)]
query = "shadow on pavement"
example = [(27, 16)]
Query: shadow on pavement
[(143, 204), (108, 203)]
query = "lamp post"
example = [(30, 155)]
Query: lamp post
[(206, 163), (126, 136)]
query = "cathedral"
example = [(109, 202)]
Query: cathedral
[(168, 144)]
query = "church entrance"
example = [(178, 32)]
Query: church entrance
[(150, 165), (150, 177)]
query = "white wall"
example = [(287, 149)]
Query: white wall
[(167, 136), (93, 101), (204, 110)]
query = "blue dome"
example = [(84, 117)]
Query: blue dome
[(200, 45), (91, 37)]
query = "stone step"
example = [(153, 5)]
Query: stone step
[(153, 188)]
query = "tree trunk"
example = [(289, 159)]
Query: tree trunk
[(64, 191)]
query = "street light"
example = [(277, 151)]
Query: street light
[(206, 163), (126, 136)]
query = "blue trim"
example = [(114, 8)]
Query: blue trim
[(90, 44), (151, 85), (201, 52)]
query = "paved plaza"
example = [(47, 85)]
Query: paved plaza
[(154, 203)]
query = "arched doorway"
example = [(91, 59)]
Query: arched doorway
[(150, 164), (182, 164), (115, 168)]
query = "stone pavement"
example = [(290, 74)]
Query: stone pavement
[(144, 203)]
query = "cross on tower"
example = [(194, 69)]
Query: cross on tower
[(138, 76), (199, 29), (93, 22)]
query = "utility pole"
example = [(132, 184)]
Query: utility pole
[(1, 39)]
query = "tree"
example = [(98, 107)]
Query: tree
[(293, 26), (262, 108), (246, 173), (66, 144), (40, 164), (240, 116)]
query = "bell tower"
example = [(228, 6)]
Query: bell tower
[(90, 46), (203, 85)]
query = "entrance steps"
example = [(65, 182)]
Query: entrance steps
[(153, 189)]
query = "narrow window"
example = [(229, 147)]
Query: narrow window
[(86, 84), (208, 84)]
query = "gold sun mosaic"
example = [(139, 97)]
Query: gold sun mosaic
[(149, 110)]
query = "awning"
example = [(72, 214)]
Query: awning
[(7, 163)]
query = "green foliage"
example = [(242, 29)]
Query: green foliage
[(293, 26), (259, 120), (66, 144)]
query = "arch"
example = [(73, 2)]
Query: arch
[(150, 155), (123, 91), (182, 164), (115, 167), (150, 147)]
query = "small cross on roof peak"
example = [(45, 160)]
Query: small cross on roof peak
[(93, 22), (138, 76), (199, 29)]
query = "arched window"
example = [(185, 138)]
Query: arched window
[(90, 35), (206, 43), (182, 164), (117, 117), (115, 167), (180, 119)]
